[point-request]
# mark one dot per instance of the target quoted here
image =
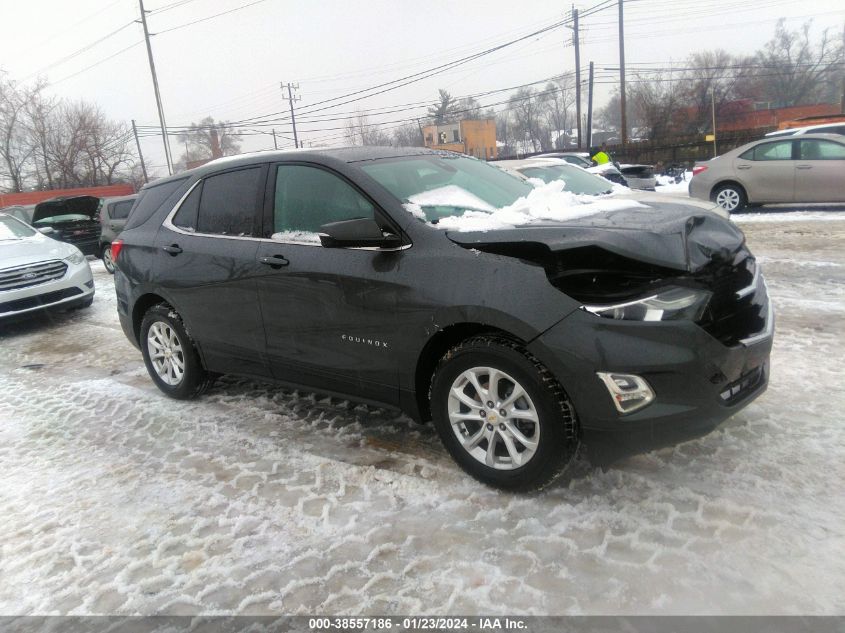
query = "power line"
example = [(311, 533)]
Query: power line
[(78, 52), (210, 17)]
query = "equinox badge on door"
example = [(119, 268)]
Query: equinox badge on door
[(363, 341)]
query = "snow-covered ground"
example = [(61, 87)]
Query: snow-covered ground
[(253, 499)]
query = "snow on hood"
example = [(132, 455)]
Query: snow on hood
[(450, 196), (546, 203)]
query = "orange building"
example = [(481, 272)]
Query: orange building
[(474, 137)]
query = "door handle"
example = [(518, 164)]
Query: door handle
[(743, 166), (276, 261), (803, 166), (173, 249)]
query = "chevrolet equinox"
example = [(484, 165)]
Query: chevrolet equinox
[(371, 274)]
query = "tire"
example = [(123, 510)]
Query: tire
[(731, 198), (546, 416), (170, 337), (105, 255)]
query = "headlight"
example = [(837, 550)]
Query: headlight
[(669, 304), (75, 258)]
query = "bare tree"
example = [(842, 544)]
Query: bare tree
[(359, 131), (408, 135), (794, 71), (527, 111), (15, 150), (210, 139), (556, 99)]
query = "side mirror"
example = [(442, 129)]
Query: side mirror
[(47, 230), (360, 232)]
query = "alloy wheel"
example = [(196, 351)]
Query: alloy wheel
[(108, 262), (493, 418), (166, 353)]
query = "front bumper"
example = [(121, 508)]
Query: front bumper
[(75, 287), (698, 381)]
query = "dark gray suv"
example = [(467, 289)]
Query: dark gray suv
[(387, 276)]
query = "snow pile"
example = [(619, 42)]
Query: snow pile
[(667, 184), (544, 203)]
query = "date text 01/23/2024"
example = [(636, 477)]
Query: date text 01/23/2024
[(420, 623)]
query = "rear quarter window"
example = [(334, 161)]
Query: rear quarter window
[(153, 198)]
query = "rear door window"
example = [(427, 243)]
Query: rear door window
[(814, 149), (228, 203)]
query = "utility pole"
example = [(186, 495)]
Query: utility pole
[(275, 143), (157, 93), (576, 41), (713, 113), (140, 155), (291, 99), (624, 114), (422, 136), (590, 109)]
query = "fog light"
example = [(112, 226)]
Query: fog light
[(628, 392)]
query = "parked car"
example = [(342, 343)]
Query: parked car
[(804, 168), (113, 215), (72, 219), (575, 158), (576, 179), (21, 212), (824, 128), (334, 271), (38, 272), (633, 176)]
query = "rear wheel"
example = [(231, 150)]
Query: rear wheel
[(170, 355), (108, 261), (731, 198), (501, 414)]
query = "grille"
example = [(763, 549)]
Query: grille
[(731, 314), (31, 274), (40, 300)]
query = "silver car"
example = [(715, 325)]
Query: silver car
[(38, 272), (805, 168)]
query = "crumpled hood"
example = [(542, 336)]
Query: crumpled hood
[(674, 236), (83, 205)]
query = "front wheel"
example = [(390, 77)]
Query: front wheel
[(169, 353), (502, 416), (108, 261), (731, 198)]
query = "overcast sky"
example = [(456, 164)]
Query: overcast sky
[(230, 66)]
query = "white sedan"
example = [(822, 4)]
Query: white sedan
[(38, 272)]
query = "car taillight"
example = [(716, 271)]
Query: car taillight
[(116, 246), (699, 169)]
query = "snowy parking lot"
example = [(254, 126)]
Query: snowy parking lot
[(254, 499)]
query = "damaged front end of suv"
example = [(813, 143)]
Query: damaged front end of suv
[(674, 322)]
